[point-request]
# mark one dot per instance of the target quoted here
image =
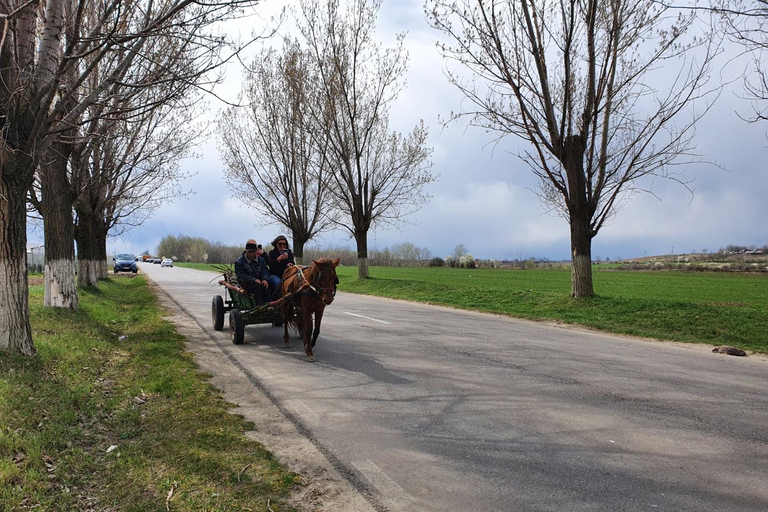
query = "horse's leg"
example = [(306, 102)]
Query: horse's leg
[(287, 310), (318, 319), (306, 333)]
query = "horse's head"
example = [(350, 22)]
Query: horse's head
[(326, 279)]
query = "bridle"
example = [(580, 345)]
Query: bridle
[(316, 287)]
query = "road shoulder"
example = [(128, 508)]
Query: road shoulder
[(324, 488)]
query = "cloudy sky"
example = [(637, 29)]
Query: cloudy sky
[(483, 198)]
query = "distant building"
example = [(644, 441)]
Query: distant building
[(35, 258)]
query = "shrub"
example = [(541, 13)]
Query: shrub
[(436, 262)]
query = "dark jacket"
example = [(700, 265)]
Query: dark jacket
[(247, 272), (277, 268)]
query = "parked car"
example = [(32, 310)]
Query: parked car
[(125, 263), (157, 261), (167, 262)]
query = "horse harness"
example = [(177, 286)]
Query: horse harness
[(315, 288)]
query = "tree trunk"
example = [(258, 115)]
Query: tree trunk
[(101, 246), (579, 217), (362, 255), (581, 257), (91, 242), (298, 251), (15, 331), (87, 251), (60, 285)]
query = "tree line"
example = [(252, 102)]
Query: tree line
[(199, 250)]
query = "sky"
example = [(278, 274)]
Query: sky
[(484, 195)]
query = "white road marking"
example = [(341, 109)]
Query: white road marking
[(367, 318)]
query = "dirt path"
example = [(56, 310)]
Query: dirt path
[(324, 489)]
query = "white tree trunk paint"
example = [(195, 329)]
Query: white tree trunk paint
[(60, 288)]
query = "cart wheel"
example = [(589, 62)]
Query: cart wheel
[(217, 312), (236, 326)]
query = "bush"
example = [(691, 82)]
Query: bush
[(436, 262)]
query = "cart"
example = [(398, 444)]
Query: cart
[(243, 309)]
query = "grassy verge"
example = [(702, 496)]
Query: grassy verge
[(716, 308), (200, 266), (111, 414)]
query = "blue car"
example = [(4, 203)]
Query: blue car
[(125, 263)]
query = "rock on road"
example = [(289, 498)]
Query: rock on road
[(422, 408)]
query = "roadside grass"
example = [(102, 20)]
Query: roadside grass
[(695, 307), (116, 374), (200, 266)]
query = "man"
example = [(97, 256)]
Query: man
[(252, 274)]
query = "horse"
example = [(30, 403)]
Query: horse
[(309, 290)]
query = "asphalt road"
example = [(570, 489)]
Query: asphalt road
[(432, 409)]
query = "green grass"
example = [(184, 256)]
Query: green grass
[(705, 307), (200, 266), (87, 390)]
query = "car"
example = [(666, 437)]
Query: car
[(167, 262), (125, 263), (157, 261)]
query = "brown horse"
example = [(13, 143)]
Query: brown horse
[(310, 289)]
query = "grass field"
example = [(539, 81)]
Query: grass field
[(115, 374), (716, 308)]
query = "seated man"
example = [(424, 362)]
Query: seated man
[(278, 259), (252, 274)]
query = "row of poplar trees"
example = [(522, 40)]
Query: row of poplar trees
[(96, 104)]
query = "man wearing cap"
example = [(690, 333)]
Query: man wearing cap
[(252, 273)]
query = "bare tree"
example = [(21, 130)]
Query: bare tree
[(575, 79), (377, 176), (746, 23), (40, 99), (123, 172), (275, 160)]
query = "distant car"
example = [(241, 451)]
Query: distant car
[(157, 261), (125, 263), (167, 262)]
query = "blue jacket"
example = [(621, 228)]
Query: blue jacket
[(247, 272)]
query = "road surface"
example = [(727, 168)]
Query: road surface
[(426, 408)]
